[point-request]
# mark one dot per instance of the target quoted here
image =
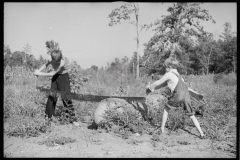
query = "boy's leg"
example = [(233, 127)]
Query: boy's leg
[(190, 111), (64, 85), (172, 102), (52, 101), (164, 118), (70, 109), (50, 107), (195, 121)]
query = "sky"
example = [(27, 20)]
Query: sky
[(82, 29)]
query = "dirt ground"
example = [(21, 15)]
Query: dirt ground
[(99, 144)]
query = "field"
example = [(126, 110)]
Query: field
[(26, 133)]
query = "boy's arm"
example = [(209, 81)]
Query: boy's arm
[(44, 66), (159, 83), (194, 91), (51, 74)]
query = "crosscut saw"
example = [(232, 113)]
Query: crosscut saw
[(85, 97)]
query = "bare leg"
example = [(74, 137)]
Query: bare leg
[(195, 121), (164, 119)]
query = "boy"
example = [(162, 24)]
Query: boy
[(60, 80), (179, 91)]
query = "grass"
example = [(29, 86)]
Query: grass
[(24, 106), (52, 141)]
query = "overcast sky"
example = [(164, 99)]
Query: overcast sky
[(82, 29)]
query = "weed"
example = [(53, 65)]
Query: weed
[(52, 141), (24, 106)]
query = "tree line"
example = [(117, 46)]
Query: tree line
[(181, 35), (178, 34)]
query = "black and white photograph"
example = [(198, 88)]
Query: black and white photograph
[(120, 80)]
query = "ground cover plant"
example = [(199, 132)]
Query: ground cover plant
[(24, 105)]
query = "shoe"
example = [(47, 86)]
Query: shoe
[(202, 137)]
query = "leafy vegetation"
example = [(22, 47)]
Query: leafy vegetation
[(24, 106)]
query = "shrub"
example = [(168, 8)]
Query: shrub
[(24, 106), (20, 126), (229, 79), (130, 121), (176, 119), (226, 79)]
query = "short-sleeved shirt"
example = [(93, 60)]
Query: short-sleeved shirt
[(169, 79)]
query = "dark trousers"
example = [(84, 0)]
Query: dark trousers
[(60, 82)]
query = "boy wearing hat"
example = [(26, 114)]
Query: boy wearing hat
[(179, 93)]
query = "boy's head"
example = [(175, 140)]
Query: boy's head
[(56, 55), (54, 50), (171, 63)]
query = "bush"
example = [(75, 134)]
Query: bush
[(221, 105), (229, 79), (23, 106), (130, 121), (226, 79), (176, 119)]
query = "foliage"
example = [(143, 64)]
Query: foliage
[(24, 106), (126, 123), (177, 119), (27, 50), (176, 33), (75, 81), (120, 13), (22, 58), (21, 113), (94, 67), (226, 79)]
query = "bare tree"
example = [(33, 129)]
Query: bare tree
[(124, 12)]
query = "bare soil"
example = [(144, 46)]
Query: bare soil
[(99, 144)]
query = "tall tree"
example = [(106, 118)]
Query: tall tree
[(94, 67), (227, 31), (27, 50), (174, 30), (124, 64), (16, 59), (6, 50), (206, 47), (124, 12), (229, 45), (7, 55)]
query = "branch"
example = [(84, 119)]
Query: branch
[(117, 14)]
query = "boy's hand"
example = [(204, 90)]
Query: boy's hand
[(148, 90), (148, 86), (36, 73)]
